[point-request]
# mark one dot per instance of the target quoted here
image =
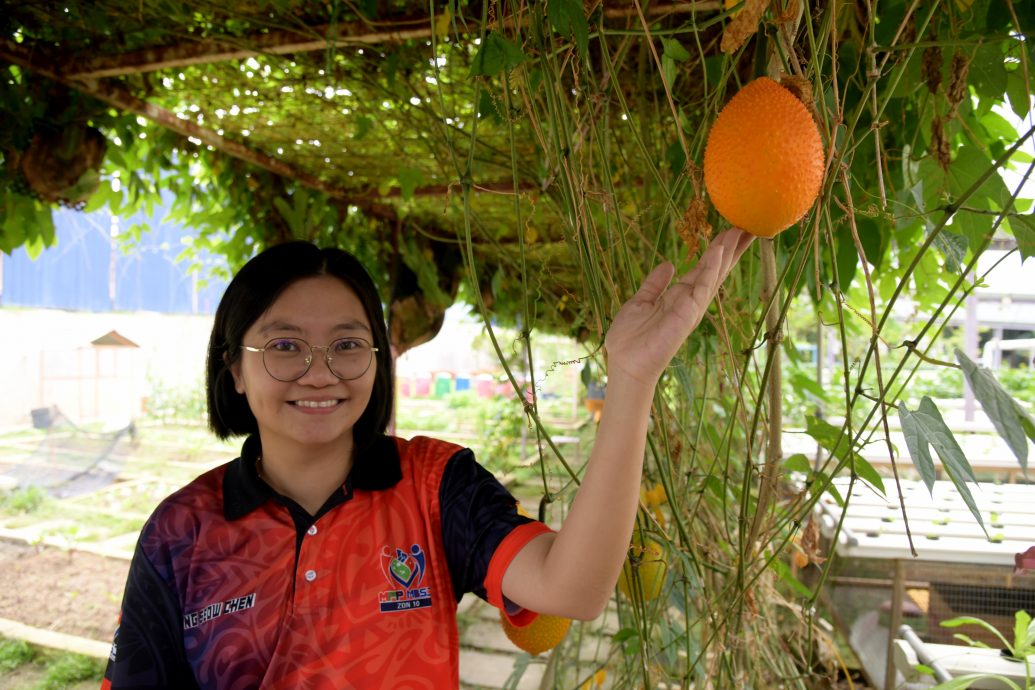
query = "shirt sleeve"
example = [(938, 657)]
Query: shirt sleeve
[(148, 647), (480, 528)]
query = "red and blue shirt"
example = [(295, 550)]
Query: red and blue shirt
[(235, 587)]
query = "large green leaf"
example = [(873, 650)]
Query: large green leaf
[(1011, 420), (925, 427), (920, 452)]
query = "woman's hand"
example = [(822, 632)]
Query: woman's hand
[(649, 329)]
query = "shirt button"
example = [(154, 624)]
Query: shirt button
[(310, 575), (312, 531)]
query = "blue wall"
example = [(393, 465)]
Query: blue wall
[(76, 273)]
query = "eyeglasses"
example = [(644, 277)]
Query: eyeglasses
[(288, 359)]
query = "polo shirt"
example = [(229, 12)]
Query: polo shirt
[(235, 587)]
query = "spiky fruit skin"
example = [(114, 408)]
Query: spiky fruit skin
[(541, 635), (763, 163), (643, 573)]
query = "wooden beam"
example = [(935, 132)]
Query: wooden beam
[(271, 43), (313, 38)]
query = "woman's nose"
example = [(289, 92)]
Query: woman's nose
[(319, 373)]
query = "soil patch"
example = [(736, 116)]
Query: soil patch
[(72, 592)]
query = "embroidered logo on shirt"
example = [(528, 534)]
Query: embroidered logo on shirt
[(404, 571), (204, 615)]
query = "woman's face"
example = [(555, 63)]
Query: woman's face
[(318, 409)]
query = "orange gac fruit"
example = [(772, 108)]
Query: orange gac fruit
[(643, 573), (542, 634), (763, 163)]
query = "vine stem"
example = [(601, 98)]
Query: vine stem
[(774, 448)]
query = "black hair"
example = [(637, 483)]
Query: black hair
[(251, 292)]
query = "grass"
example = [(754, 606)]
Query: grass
[(26, 667)]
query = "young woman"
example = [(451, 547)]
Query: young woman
[(329, 555)]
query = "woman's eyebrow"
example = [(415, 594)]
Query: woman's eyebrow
[(279, 326), (352, 325)]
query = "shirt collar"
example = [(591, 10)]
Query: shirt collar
[(376, 468)]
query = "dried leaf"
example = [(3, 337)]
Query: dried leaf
[(957, 81), (802, 90), (810, 543), (932, 68), (694, 225), (744, 25)]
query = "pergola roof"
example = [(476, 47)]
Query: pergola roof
[(374, 104)]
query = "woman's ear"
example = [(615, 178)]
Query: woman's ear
[(235, 371)]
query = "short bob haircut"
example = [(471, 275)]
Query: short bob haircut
[(251, 292)]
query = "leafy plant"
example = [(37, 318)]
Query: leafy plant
[(67, 669), (1022, 648), (24, 501), (14, 653)]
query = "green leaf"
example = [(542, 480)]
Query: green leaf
[(830, 438), (969, 641), (847, 260), (1023, 635), (801, 381), (988, 71), (797, 463), (862, 467), (487, 106), (874, 236), (676, 157), (675, 50), (409, 179), (1024, 230), (970, 163), (625, 634), (567, 18), (785, 574), (953, 247), (496, 55), (971, 678), (919, 451), (1017, 92), (668, 70), (1011, 420), (930, 429), (971, 620)]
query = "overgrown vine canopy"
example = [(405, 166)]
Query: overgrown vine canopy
[(535, 159), (370, 122)]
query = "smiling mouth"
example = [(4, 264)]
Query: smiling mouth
[(315, 404)]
